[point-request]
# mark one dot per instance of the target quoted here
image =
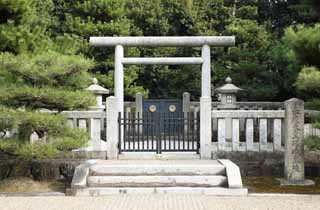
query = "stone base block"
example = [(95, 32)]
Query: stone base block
[(86, 154), (306, 182), (162, 156)]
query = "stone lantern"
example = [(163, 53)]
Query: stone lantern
[(227, 94), (98, 91)]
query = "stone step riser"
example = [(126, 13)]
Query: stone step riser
[(157, 170), (156, 181), (100, 191)]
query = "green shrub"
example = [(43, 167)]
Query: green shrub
[(30, 151), (41, 123), (73, 139), (9, 145), (7, 121), (312, 142)]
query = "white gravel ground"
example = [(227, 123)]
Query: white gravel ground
[(162, 202)]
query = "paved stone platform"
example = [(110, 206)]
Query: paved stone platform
[(162, 202)]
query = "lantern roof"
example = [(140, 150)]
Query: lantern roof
[(95, 88), (228, 87)]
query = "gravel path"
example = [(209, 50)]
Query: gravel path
[(161, 202)]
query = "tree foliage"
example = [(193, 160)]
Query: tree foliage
[(264, 62), (36, 71)]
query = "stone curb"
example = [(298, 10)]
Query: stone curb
[(31, 194)]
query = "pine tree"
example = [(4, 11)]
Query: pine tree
[(35, 73), (305, 42), (78, 20)]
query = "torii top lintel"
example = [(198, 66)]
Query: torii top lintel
[(166, 41)]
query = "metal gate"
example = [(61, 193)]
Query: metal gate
[(146, 134), (164, 106)]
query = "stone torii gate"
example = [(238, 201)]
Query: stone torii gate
[(191, 41)]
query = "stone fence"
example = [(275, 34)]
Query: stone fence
[(92, 121), (232, 130), (247, 130), (255, 129)]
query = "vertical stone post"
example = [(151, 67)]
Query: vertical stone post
[(235, 134), (95, 132), (70, 123), (228, 121), (206, 72), (205, 104), (263, 134), (249, 134), (222, 134), (83, 124), (294, 147), (139, 103), (139, 110), (277, 129), (186, 102), (185, 108), (112, 127), (118, 77), (205, 127)]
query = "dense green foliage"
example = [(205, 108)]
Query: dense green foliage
[(263, 62), (46, 60), (38, 71), (53, 127), (312, 143)]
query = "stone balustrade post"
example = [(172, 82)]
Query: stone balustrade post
[(186, 102), (139, 110), (95, 134), (186, 108)]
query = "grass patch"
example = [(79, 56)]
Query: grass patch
[(24, 184), (268, 184)]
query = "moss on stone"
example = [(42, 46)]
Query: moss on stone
[(267, 184)]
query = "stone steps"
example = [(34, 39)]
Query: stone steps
[(156, 181), (157, 169), (103, 177)]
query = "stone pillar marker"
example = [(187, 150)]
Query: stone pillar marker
[(205, 127), (112, 127), (294, 145)]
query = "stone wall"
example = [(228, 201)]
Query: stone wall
[(251, 164), (54, 169), (268, 163)]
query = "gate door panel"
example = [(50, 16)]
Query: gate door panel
[(172, 107), (162, 132)]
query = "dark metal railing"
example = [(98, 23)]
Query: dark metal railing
[(159, 132)]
